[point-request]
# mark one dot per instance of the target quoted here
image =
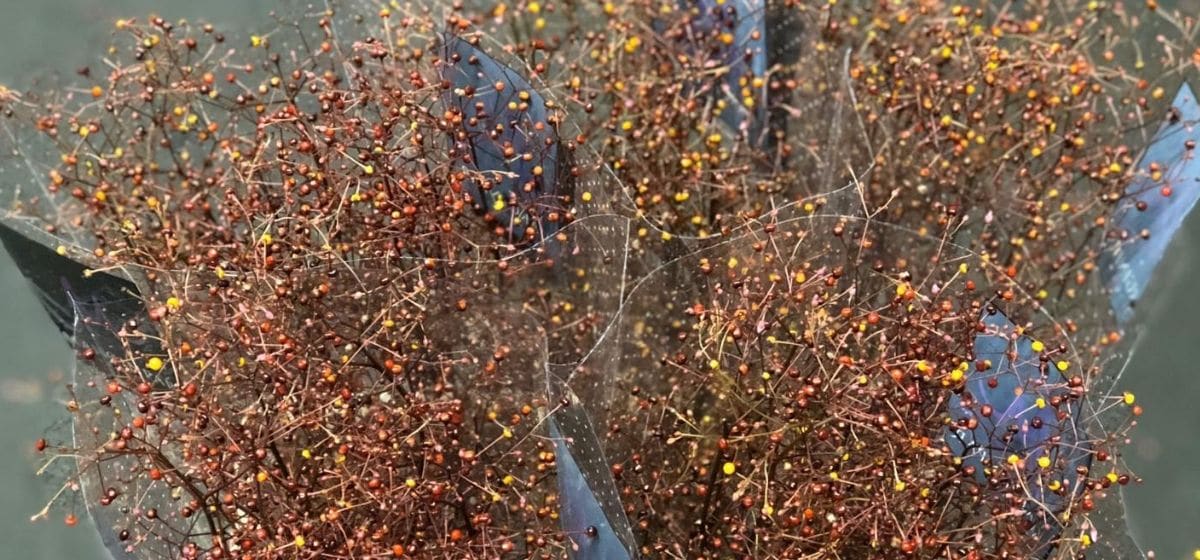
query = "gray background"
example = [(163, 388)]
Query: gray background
[(57, 36)]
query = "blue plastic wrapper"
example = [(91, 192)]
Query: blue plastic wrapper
[(590, 511), (745, 57), (1023, 408), (512, 144), (755, 41), (1156, 202), (507, 138)]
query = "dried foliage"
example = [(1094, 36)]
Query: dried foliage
[(387, 255)]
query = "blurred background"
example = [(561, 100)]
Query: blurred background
[(1164, 511), (50, 39)]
